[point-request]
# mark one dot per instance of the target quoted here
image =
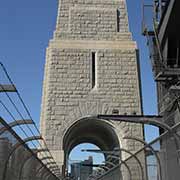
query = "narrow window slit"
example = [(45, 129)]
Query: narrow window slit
[(118, 20), (94, 69)]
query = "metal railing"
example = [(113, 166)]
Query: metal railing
[(17, 160), (152, 159), (24, 154)]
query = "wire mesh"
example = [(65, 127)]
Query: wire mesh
[(14, 109), (158, 159), (17, 160)]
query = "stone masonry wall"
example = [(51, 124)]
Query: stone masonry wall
[(92, 19), (69, 85), (84, 27)]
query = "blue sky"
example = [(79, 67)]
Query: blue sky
[(25, 30)]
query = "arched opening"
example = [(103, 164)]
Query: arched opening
[(82, 163), (97, 132), (77, 153)]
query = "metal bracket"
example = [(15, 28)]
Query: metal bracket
[(16, 123), (7, 88)]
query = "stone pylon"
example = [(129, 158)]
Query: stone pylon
[(91, 68)]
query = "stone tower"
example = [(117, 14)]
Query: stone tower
[(91, 68)]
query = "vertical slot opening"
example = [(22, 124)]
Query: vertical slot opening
[(118, 20), (94, 69)]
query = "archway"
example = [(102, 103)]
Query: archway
[(97, 132), (82, 164), (79, 153)]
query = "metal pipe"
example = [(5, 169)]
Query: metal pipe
[(15, 123), (15, 147), (27, 159), (152, 150)]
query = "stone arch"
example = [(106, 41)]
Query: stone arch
[(89, 130)]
